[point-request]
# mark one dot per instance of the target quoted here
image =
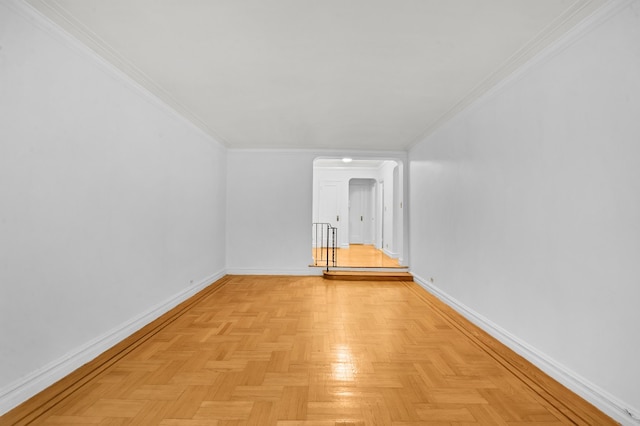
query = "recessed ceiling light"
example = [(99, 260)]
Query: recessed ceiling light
[(347, 160)]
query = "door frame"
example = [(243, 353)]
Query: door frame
[(366, 207), (391, 187)]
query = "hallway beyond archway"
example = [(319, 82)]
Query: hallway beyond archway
[(362, 199), (364, 256)]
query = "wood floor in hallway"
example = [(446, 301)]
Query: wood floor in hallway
[(254, 350), (360, 256)]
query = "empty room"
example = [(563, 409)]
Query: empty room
[(319, 213)]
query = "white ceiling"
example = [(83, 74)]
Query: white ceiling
[(328, 74), (338, 163)]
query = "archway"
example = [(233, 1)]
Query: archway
[(378, 187)]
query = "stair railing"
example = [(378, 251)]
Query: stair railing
[(325, 243)]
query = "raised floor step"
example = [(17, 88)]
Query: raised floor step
[(367, 276)]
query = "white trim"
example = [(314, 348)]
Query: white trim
[(309, 271), (574, 35), (331, 153), (607, 403), (513, 70), (391, 254), (21, 390), (548, 53), (133, 78)]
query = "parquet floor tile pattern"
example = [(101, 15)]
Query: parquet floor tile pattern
[(295, 351)]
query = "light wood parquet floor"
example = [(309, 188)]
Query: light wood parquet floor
[(294, 351)]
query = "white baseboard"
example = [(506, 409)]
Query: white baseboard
[(21, 390), (391, 254), (315, 270), (607, 403)]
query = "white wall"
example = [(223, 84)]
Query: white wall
[(269, 209), (391, 176), (525, 209), (269, 212), (111, 206)]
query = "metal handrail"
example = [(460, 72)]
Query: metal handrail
[(325, 232)]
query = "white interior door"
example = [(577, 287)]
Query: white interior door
[(329, 206), (361, 211)]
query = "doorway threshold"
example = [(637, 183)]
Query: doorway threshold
[(367, 275), (348, 268)]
